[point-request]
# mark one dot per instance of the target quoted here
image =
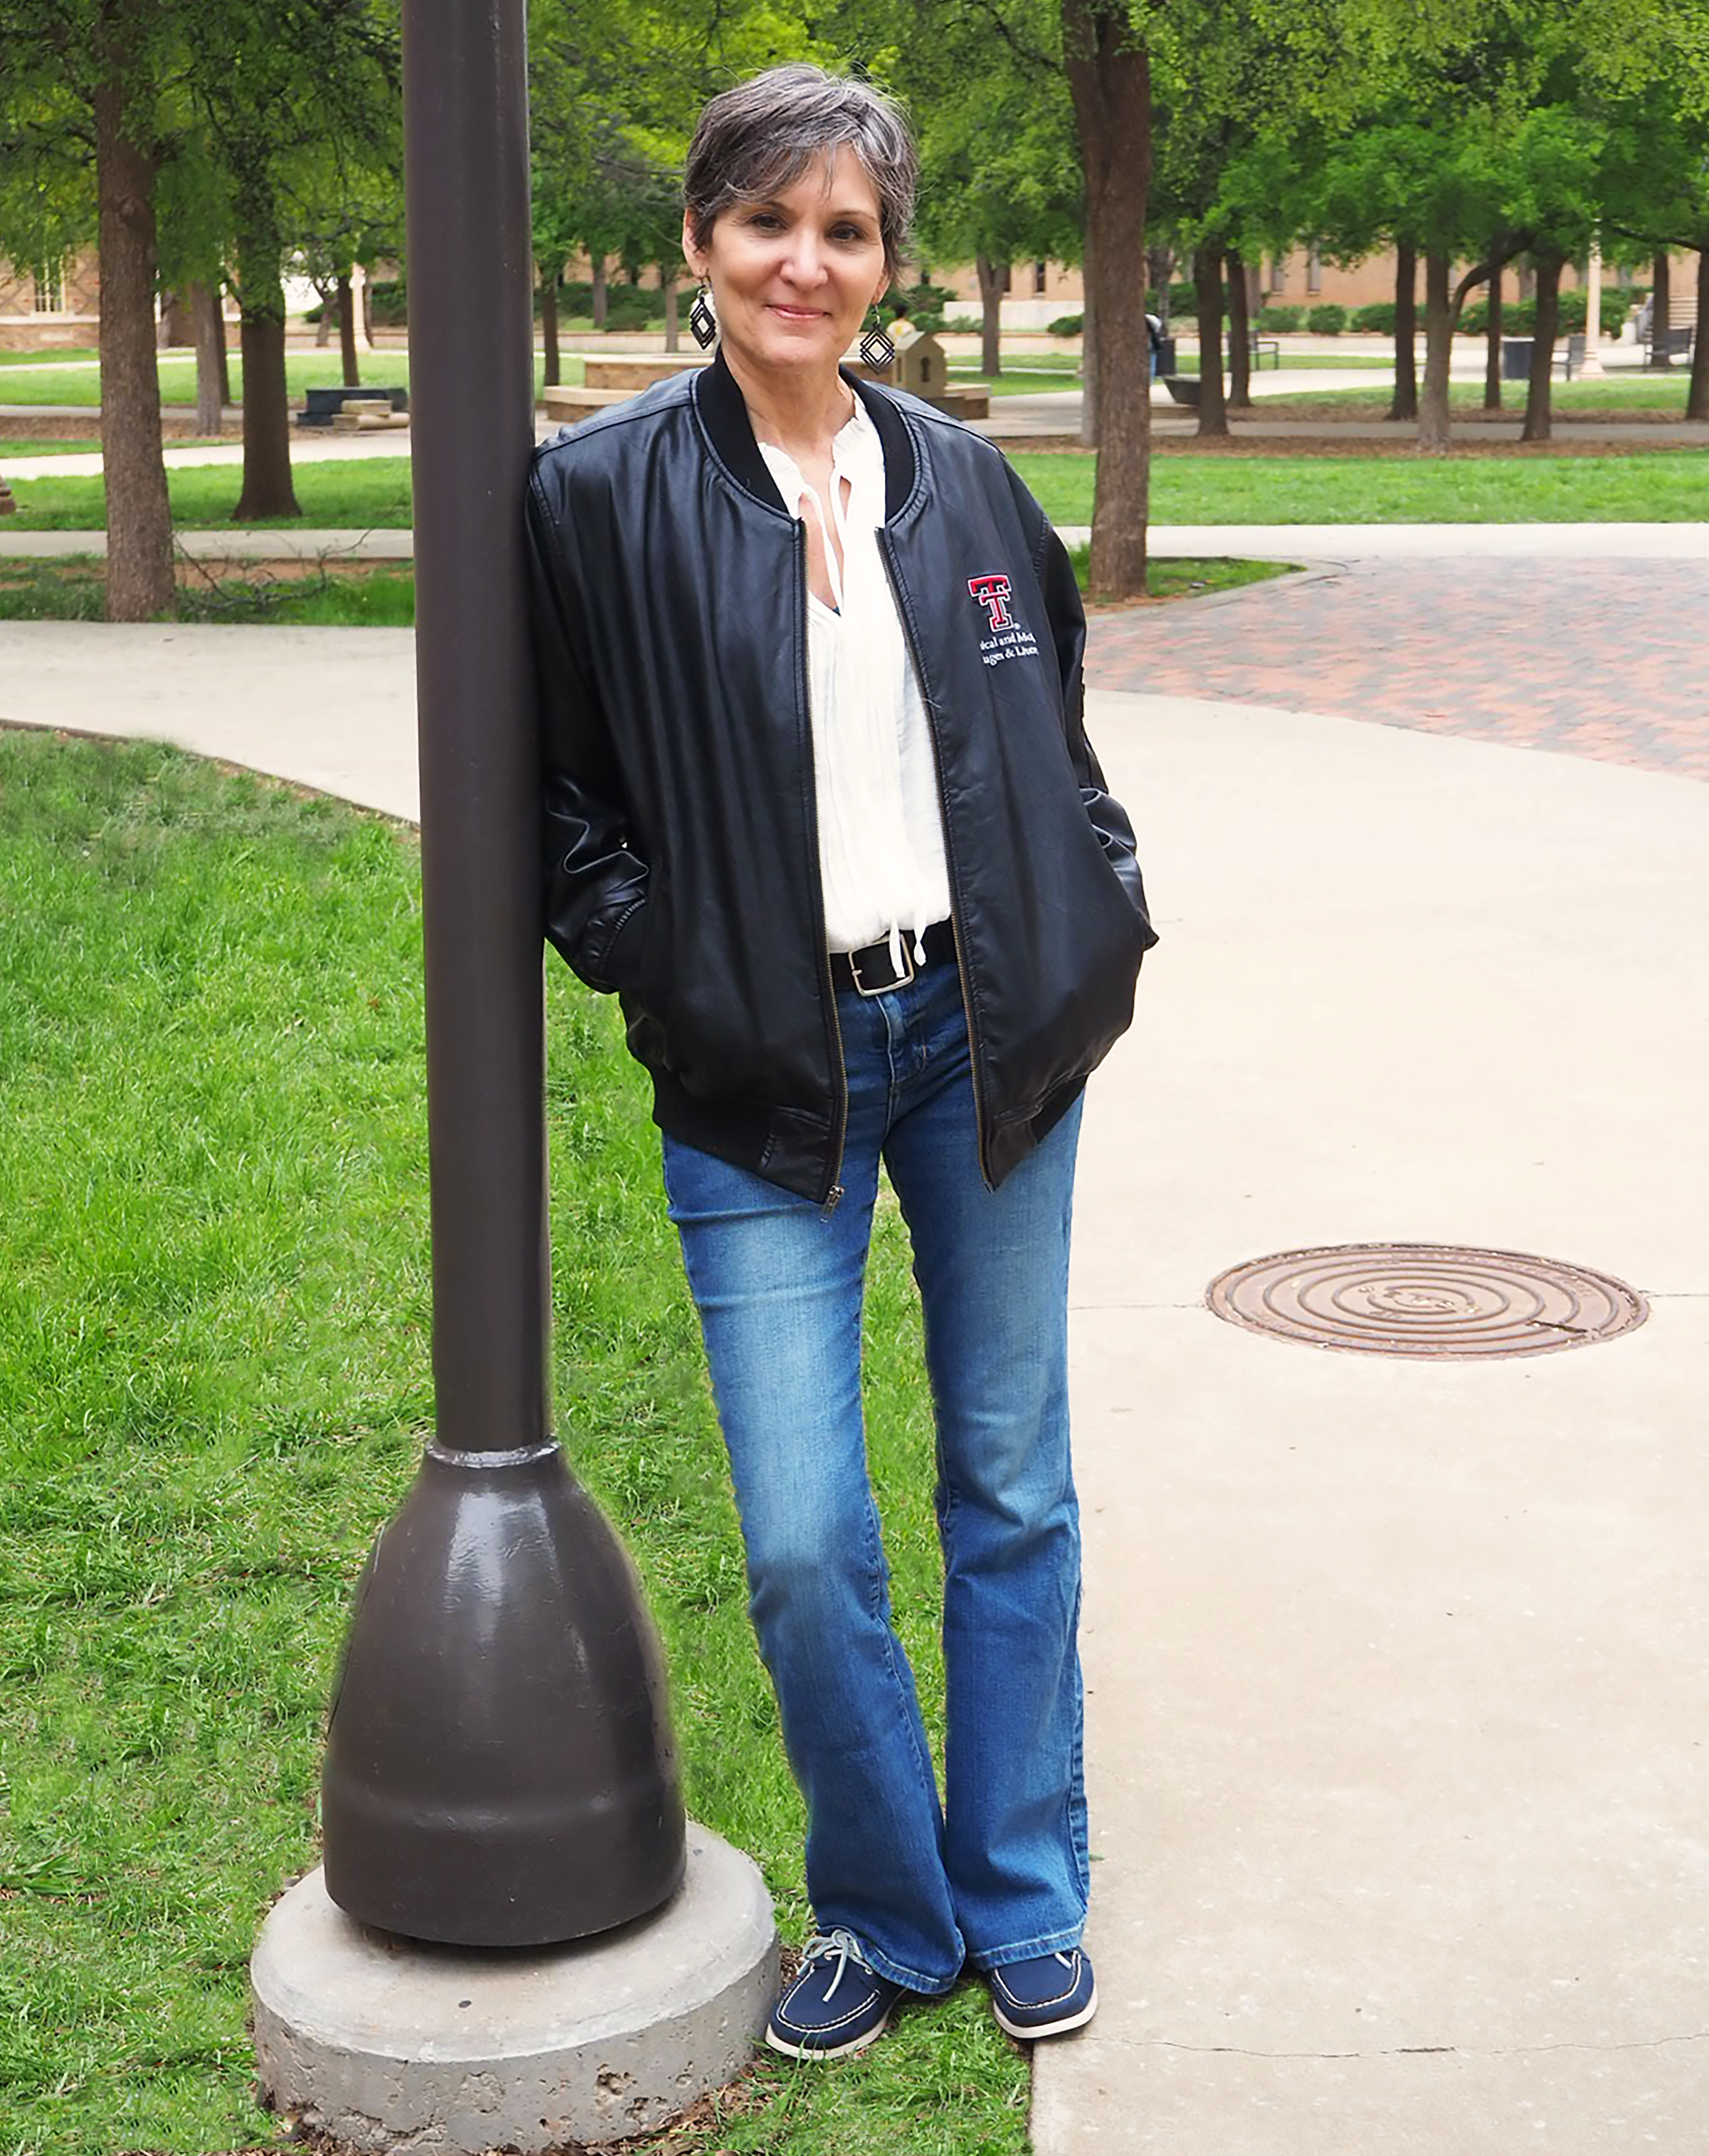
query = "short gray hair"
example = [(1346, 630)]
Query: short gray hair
[(761, 135)]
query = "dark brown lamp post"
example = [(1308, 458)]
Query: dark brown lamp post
[(499, 1769)]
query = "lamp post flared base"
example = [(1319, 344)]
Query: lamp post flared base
[(499, 1768)]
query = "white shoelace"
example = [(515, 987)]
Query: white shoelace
[(845, 1946)]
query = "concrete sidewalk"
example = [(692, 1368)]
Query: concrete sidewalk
[(1399, 1747), (1285, 542), (1398, 1670)]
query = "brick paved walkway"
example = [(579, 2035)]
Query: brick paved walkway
[(1597, 658)]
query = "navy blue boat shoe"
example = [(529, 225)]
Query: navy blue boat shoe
[(837, 2003), (1046, 1996)]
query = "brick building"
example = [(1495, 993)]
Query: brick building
[(50, 305)]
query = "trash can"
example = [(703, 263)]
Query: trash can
[(1516, 358), (1163, 356)]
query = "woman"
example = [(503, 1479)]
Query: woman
[(819, 807)]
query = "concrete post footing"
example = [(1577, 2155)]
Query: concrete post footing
[(392, 2045)]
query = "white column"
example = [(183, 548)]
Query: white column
[(1593, 314)]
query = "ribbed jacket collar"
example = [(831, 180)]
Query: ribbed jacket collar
[(724, 413)]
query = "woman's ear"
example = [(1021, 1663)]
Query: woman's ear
[(692, 254)]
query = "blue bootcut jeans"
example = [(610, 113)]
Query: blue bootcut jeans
[(999, 1872)]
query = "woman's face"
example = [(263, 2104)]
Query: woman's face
[(793, 273)]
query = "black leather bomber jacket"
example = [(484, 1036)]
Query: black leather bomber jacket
[(670, 612)]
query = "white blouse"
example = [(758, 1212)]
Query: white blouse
[(881, 833)]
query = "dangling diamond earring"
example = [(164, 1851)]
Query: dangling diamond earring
[(702, 320), (876, 348)]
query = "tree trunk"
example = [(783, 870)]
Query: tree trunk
[(1160, 267), (1492, 348), (1109, 77), (267, 490), (1239, 334), (549, 329), (328, 297), (1404, 403), (599, 274), (673, 312), (1542, 350), (346, 332), (177, 326), (210, 356), (1089, 355), (1436, 430), (223, 350), (1207, 284), (1697, 396), (140, 584), (991, 281), (1660, 307)]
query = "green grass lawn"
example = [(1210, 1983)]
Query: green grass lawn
[(1189, 364), (385, 598), (11, 451), (1181, 577), (1028, 376), (357, 493), (51, 358), (1028, 380), (75, 590), (1654, 395), (54, 381), (81, 385), (214, 1385), (1659, 487)]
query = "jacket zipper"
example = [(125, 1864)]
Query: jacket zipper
[(886, 547), (833, 1193)]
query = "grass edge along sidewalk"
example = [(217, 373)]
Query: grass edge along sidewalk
[(329, 595), (1646, 487), (214, 1384)]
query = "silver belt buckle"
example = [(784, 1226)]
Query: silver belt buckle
[(883, 988)]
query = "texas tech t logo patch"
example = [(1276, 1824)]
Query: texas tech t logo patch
[(1008, 638), (991, 593)]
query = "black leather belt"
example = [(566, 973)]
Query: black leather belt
[(868, 971)]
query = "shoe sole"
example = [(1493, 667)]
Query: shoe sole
[(822, 2050), (1030, 2035)]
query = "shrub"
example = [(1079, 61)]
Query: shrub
[(1574, 305), (627, 306), (1066, 325), (1377, 319), (1519, 316), (965, 325), (390, 302), (1327, 321), (1278, 318)]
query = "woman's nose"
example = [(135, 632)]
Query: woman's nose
[(804, 259)]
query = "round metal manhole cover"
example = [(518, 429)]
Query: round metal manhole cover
[(1435, 1300)]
